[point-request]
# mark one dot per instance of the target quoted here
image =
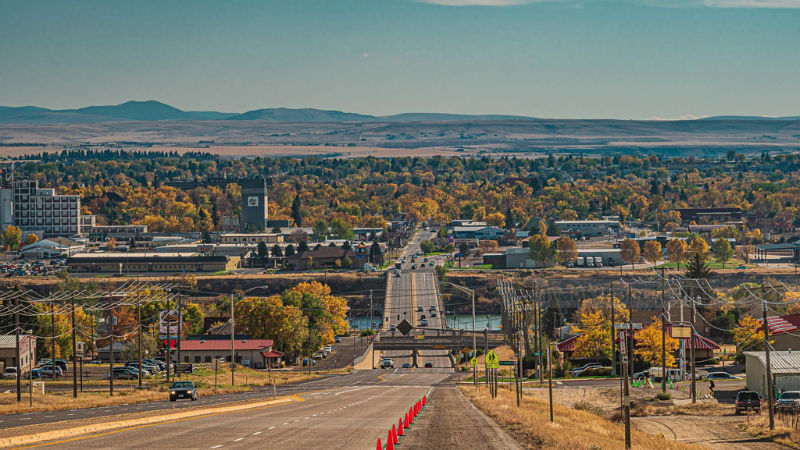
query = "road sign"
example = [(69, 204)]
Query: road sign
[(473, 362), (492, 360), (404, 327), (217, 364), (622, 346), (183, 368), (681, 332), (507, 363)]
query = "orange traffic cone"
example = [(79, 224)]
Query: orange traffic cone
[(424, 400), (400, 431), (405, 423), (389, 442), (394, 435), (379, 447)]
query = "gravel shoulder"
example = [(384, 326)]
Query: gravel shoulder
[(451, 421), (719, 433)]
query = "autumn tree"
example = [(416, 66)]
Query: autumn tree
[(427, 246), (649, 348), (629, 251), (700, 247), (11, 237), (744, 251), (320, 229), (653, 252), (566, 250), (487, 246), (32, 238), (722, 251), (676, 251), (496, 220), (746, 335), (594, 317)]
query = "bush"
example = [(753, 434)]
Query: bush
[(588, 407), (664, 396), (478, 352), (562, 369), (596, 372), (367, 332)]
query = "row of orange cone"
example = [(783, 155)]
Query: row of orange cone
[(403, 424)]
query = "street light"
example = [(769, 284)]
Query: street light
[(472, 293), (233, 329)]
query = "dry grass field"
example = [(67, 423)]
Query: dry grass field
[(572, 429)]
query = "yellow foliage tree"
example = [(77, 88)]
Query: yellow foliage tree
[(648, 345)]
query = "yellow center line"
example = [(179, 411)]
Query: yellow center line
[(381, 378)]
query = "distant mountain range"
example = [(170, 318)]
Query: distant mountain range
[(157, 111)]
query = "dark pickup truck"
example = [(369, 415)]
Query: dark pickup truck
[(748, 400), (182, 389)]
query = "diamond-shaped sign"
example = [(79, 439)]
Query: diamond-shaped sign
[(404, 327)]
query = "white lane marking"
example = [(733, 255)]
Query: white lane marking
[(237, 440), (286, 423), (558, 382), (216, 446)]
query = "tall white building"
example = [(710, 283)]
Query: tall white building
[(44, 213)]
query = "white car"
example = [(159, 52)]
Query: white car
[(10, 373), (387, 363)]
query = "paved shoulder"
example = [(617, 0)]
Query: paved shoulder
[(451, 421)]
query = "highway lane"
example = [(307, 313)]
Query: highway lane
[(412, 290), (345, 416)]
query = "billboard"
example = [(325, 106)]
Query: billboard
[(175, 325), (252, 201)]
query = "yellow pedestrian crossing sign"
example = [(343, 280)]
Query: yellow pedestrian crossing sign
[(492, 361), (474, 362)]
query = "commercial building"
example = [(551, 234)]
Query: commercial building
[(118, 232), (8, 352), (150, 262), (51, 248), (326, 257), (589, 227), (708, 215), (247, 352), (479, 232), (784, 331), (243, 238)]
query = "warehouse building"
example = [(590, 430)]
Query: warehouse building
[(785, 368), (149, 262)]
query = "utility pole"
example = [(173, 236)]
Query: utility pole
[(74, 352), (694, 371), (485, 351), (539, 338), (178, 337), (111, 355), (626, 404), (771, 398), (168, 347), (139, 313), (371, 320), (630, 327), (663, 336), (613, 335), (233, 355), (19, 365), (53, 337), (550, 379)]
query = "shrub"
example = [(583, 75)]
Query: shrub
[(588, 407), (562, 369), (596, 372), (664, 396)]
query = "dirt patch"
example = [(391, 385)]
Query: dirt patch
[(717, 433)]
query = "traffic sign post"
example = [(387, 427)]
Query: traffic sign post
[(492, 360), (474, 363)]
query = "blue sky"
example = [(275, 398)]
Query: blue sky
[(563, 59)]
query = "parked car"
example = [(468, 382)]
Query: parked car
[(47, 371), (748, 400), (305, 362), (10, 373), (788, 398), (406, 366), (576, 371), (182, 389), (123, 373), (721, 376), (428, 365), (337, 339), (63, 364), (35, 373), (328, 349)]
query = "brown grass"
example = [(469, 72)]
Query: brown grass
[(573, 429), (782, 434), (59, 401)]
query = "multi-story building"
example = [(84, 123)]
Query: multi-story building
[(589, 227), (41, 211)]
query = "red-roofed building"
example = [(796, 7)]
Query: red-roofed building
[(784, 331), (248, 352)]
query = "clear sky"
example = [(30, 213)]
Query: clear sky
[(563, 59)]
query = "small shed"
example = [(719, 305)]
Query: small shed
[(785, 368)]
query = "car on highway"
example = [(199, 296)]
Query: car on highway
[(576, 371), (182, 389), (397, 273), (10, 373), (337, 339), (425, 259), (430, 263), (420, 309), (96, 361), (740, 267), (428, 365), (413, 266), (433, 308), (423, 322), (406, 366), (721, 376), (392, 327), (387, 363), (433, 313), (748, 400)]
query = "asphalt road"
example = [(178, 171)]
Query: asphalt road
[(350, 411), (414, 289)]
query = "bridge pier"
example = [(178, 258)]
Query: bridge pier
[(414, 356)]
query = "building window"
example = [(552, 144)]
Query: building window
[(196, 359)]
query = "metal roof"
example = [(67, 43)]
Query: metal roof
[(785, 362)]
